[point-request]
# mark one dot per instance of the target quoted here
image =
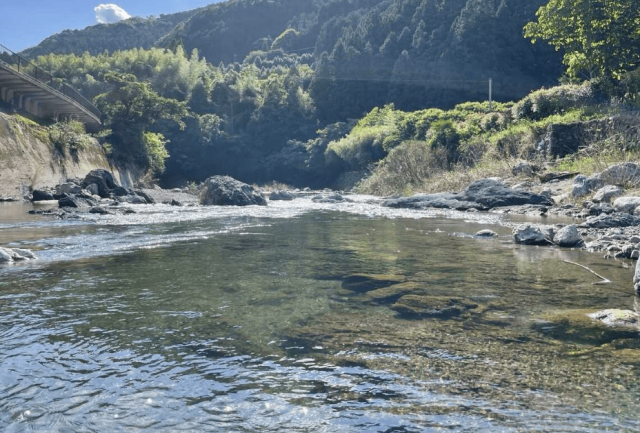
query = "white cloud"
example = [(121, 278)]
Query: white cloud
[(110, 13)]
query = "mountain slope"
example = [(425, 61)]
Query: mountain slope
[(132, 33)]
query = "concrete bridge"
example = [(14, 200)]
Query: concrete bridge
[(29, 88)]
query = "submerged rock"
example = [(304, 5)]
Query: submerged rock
[(227, 191), (486, 234), (367, 282), (432, 306), (392, 293), (617, 318)]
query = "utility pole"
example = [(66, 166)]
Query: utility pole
[(490, 93)]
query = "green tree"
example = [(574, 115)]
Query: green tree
[(600, 38), (132, 107)]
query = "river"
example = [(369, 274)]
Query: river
[(307, 317)]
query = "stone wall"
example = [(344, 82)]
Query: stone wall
[(562, 140)]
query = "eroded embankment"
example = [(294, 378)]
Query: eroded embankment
[(28, 159)]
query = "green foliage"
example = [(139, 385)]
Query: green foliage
[(599, 38), (68, 135), (546, 102), (154, 145), (444, 135), (131, 108)]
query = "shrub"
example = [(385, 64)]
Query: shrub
[(405, 169), (154, 144), (68, 135), (546, 102), (444, 135)]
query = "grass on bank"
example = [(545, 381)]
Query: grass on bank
[(435, 150)]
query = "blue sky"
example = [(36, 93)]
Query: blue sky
[(27, 22)]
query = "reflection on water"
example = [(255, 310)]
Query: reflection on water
[(294, 318)]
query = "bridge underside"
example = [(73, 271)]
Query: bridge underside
[(34, 97)]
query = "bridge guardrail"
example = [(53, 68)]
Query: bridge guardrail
[(24, 66)]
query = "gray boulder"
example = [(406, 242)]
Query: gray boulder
[(530, 235), (483, 194), (583, 185), (606, 193), (493, 193), (120, 191), (522, 168), (40, 195), (103, 180), (281, 195), (331, 198), (619, 174), (132, 199), (626, 204), (93, 189), (68, 188), (443, 200), (76, 202), (607, 221), (567, 236), (145, 196), (227, 191)]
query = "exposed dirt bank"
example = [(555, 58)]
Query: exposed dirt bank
[(28, 161)]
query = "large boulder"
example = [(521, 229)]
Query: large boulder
[(619, 174), (76, 202), (442, 200), (483, 194), (493, 193), (103, 180), (227, 191), (607, 192), (607, 221), (531, 235), (40, 195), (626, 204), (68, 188), (281, 195), (583, 185), (567, 236)]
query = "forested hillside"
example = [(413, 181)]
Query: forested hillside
[(264, 86), (132, 33)]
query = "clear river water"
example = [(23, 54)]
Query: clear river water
[(307, 317)]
